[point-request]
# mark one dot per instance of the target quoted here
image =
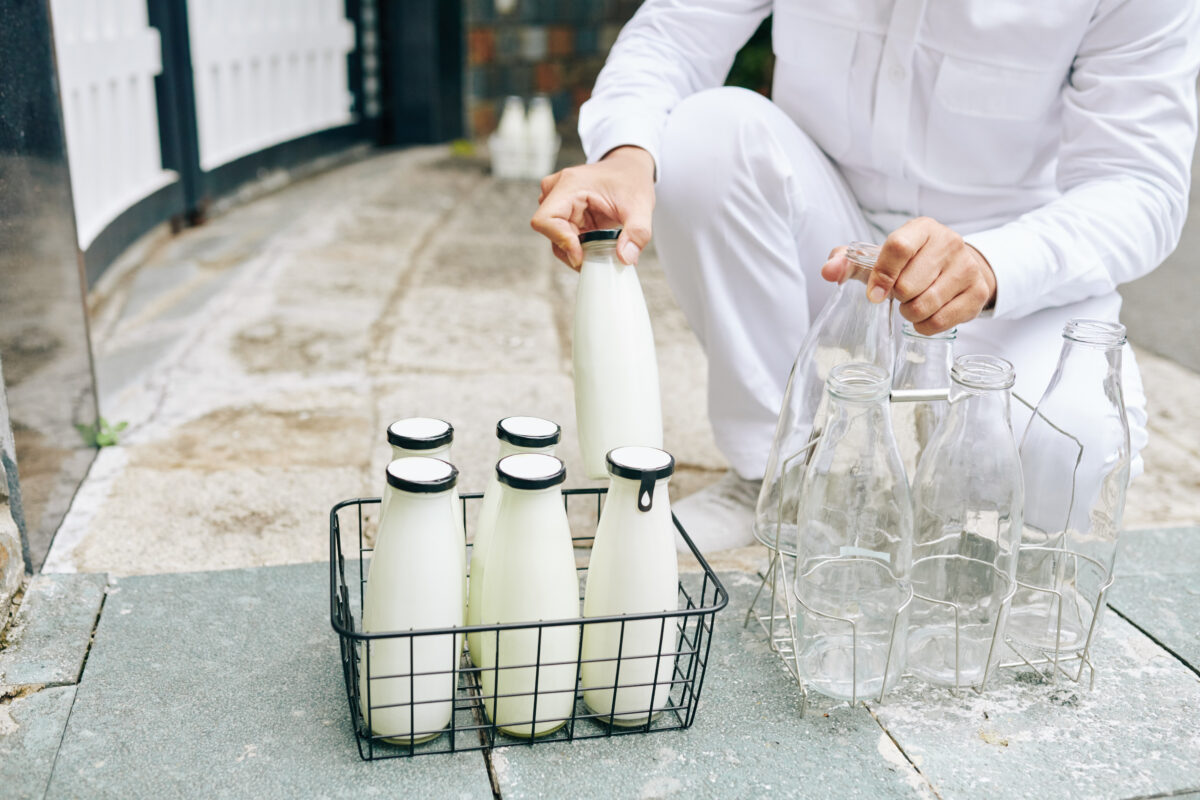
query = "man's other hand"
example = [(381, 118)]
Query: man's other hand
[(615, 192), (939, 280)]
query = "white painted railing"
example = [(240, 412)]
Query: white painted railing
[(107, 57), (266, 71)]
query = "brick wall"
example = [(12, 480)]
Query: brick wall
[(551, 47)]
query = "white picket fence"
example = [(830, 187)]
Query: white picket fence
[(107, 57), (266, 71)]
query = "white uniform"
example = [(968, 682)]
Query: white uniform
[(1056, 136)]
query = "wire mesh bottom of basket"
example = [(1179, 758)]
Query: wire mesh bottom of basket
[(558, 696)]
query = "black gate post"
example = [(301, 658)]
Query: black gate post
[(176, 95), (422, 71)]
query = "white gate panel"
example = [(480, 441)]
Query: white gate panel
[(267, 71), (107, 57)]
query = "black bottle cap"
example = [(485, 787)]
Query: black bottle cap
[(531, 471), (643, 464), (420, 433), (606, 234), (421, 474), (528, 431)]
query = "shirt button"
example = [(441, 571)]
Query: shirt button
[(896, 73)]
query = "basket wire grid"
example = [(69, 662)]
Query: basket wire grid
[(778, 619), (672, 689)]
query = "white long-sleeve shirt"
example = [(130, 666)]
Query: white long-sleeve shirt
[(1056, 135)]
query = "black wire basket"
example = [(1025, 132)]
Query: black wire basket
[(671, 692)]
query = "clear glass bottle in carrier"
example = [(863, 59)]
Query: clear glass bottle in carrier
[(967, 501), (617, 400), (849, 328), (854, 549), (516, 435), (922, 365), (1076, 457)]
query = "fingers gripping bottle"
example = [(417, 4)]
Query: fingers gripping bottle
[(617, 400), (967, 502), (432, 438), (528, 673), (516, 435), (633, 569), (1076, 458), (406, 684), (849, 328)]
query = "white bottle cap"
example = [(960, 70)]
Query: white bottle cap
[(528, 431), (531, 471), (420, 433), (421, 474)]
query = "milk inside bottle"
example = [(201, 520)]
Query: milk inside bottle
[(627, 668), (530, 578), (431, 438), (516, 435), (617, 398), (406, 684)]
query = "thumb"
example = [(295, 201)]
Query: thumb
[(635, 235)]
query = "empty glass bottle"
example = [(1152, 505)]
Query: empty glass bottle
[(849, 328), (967, 500), (922, 364), (855, 543), (1075, 455)]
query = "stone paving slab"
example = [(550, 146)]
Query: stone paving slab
[(748, 739), (1135, 735), (48, 640), (228, 684), (1167, 551), (31, 728), (1167, 607)]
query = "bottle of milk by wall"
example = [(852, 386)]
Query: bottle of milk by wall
[(431, 438), (632, 570), (406, 685), (616, 374), (530, 578), (543, 137), (516, 435)]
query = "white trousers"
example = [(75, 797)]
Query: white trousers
[(748, 209)]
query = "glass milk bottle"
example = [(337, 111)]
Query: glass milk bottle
[(633, 569), (516, 435), (849, 328), (922, 364), (616, 372), (854, 550), (530, 578), (431, 438), (414, 583), (1076, 457), (967, 501)]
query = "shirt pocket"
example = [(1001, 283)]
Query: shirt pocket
[(812, 76), (990, 125)]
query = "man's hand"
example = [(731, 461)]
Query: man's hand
[(939, 280), (615, 192)]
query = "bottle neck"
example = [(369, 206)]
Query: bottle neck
[(625, 492), (1081, 364), (602, 252), (401, 496), (980, 408), (924, 363), (510, 449), (442, 452)]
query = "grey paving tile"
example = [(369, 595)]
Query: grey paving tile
[(1166, 607), (748, 740), (48, 640), (1165, 551), (1135, 734), (228, 684), (31, 728)]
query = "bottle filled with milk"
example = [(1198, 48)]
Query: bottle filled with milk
[(431, 438), (406, 684), (617, 400), (627, 667), (530, 578), (516, 435)]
